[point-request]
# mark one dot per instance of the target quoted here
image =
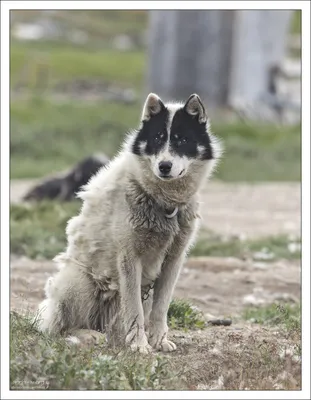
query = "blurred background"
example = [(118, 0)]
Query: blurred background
[(79, 79)]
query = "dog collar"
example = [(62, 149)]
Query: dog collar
[(172, 215)]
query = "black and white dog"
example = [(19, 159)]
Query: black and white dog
[(139, 218)]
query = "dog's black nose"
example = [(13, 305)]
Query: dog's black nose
[(165, 167)]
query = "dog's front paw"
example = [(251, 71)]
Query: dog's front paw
[(158, 340), (138, 342)]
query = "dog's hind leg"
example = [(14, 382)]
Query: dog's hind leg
[(48, 317), (69, 301)]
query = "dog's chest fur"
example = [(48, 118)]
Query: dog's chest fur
[(153, 232)]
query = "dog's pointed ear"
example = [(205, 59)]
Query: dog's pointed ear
[(195, 107), (153, 106)]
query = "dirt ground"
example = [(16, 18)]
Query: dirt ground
[(220, 287)]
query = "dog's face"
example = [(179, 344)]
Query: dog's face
[(173, 136)]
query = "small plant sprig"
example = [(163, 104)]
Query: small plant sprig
[(184, 315)]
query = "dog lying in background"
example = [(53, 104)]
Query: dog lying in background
[(65, 188)]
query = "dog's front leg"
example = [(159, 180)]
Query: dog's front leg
[(131, 304), (163, 290)]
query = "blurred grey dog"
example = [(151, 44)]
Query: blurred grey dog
[(138, 220)]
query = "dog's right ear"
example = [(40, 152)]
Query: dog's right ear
[(153, 106)]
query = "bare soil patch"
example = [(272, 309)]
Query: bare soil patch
[(219, 286)]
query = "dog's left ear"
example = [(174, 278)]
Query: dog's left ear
[(153, 106), (195, 107)]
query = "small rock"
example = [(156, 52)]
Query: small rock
[(220, 322), (248, 280), (264, 254)]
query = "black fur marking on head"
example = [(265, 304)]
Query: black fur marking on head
[(187, 133), (154, 133)]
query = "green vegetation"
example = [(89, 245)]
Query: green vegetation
[(64, 63), (39, 230), (255, 361), (64, 59), (40, 362), (47, 137), (53, 363), (183, 315), (285, 315), (100, 25), (265, 248), (259, 152)]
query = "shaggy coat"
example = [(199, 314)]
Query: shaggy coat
[(138, 219)]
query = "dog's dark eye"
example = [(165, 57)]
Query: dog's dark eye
[(181, 141), (159, 137)]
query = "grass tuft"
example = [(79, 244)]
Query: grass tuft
[(183, 315)]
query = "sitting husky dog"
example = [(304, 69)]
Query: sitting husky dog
[(138, 219)]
